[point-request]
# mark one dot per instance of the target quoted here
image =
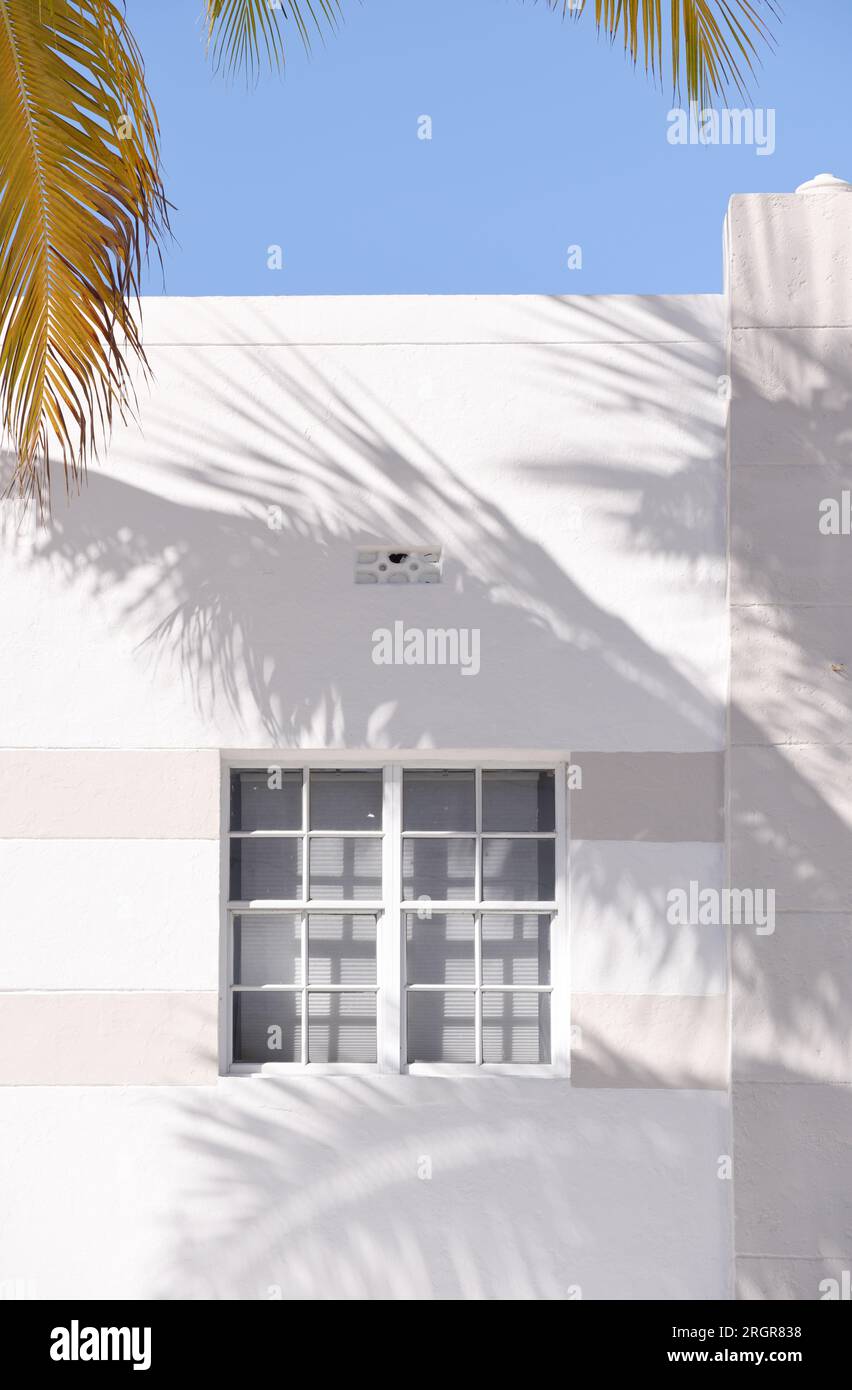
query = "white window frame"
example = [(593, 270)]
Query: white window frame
[(390, 989)]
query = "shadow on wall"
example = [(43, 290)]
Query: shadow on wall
[(416, 1188), (200, 583), (293, 1205)]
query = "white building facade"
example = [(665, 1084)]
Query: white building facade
[(364, 723)]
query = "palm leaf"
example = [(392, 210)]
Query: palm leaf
[(247, 33), (81, 202), (713, 44)]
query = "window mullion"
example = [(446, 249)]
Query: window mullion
[(477, 975), (390, 949), (306, 825), (477, 925), (477, 882), (560, 950), (306, 892), (304, 948)]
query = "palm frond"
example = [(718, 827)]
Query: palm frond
[(713, 44), (81, 203), (246, 34)]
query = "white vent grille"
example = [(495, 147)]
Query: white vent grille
[(398, 564)]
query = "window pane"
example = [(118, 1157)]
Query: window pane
[(438, 800), (346, 800), (438, 869), (440, 950), (519, 801), (515, 948), (266, 799), (346, 867), (267, 950), (267, 1027), (342, 1027), (520, 870), (515, 1027), (441, 1027), (266, 869), (341, 949)]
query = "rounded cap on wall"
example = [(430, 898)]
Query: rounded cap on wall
[(825, 183)]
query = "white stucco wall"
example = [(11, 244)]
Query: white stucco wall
[(311, 1190), (567, 454), (790, 305), (569, 457)]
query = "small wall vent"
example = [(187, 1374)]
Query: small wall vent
[(398, 564)]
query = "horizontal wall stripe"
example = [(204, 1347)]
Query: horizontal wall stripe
[(109, 795), (649, 796), (649, 1041), (109, 1039)]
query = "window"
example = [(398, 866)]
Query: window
[(397, 918)]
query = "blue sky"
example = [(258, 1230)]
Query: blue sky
[(543, 138)]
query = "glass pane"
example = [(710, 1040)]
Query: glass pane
[(266, 799), (438, 869), (346, 800), (515, 1027), (519, 801), (441, 1027), (341, 949), (267, 950), (346, 867), (515, 948), (267, 1027), (521, 870), (438, 800), (440, 950), (342, 1027), (266, 869)]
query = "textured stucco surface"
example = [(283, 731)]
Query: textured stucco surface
[(88, 793), (793, 1156), (781, 1279), (109, 1038), (792, 807), (791, 387), (570, 458), (790, 677), (790, 260), (310, 1189), (109, 914), (792, 1002), (621, 938), (790, 302), (200, 596), (649, 1040), (649, 796), (579, 502)]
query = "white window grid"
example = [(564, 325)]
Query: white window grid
[(304, 987), (392, 988), (477, 906)]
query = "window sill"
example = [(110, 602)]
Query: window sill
[(451, 1071)]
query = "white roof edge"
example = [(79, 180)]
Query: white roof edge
[(354, 320)]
